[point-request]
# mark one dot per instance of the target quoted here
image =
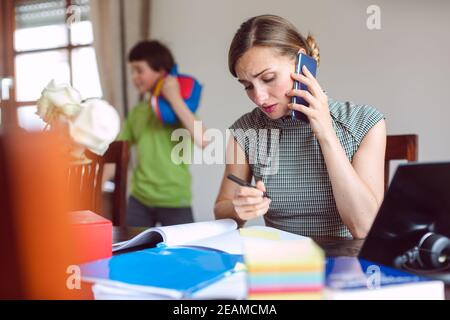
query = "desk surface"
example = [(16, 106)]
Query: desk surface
[(332, 246)]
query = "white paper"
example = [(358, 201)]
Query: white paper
[(181, 234)]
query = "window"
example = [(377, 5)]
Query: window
[(53, 40)]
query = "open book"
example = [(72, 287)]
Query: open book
[(209, 234)]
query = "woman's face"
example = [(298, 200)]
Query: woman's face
[(266, 77)]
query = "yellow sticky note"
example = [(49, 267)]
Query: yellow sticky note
[(261, 234)]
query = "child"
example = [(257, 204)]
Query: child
[(160, 189)]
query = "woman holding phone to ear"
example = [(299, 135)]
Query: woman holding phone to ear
[(327, 175)]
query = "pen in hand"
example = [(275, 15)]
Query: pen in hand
[(244, 184)]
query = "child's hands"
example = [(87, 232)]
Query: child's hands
[(249, 202), (318, 112), (171, 89)]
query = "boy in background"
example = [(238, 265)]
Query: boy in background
[(160, 189)]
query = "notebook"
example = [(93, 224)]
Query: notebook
[(165, 272), (350, 278)]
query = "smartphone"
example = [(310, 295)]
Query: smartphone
[(311, 64)]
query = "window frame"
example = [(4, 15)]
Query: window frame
[(70, 48), (8, 108)]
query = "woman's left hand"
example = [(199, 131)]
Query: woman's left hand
[(318, 111)]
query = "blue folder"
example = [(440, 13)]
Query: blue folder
[(351, 273), (174, 271)]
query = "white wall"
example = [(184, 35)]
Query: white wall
[(402, 69)]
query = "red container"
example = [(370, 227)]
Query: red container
[(92, 235)]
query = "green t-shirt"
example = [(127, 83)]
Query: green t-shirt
[(157, 180)]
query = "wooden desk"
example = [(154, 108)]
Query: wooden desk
[(332, 246)]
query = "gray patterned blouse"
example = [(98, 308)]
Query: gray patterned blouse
[(286, 156)]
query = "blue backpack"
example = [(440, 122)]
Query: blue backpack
[(190, 92)]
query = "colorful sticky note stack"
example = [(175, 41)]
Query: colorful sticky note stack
[(284, 269)]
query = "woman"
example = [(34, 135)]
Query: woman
[(328, 177)]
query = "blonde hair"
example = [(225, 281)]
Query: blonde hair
[(313, 48), (273, 32)]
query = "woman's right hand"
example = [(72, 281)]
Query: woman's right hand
[(249, 202)]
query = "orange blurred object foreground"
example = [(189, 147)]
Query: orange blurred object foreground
[(37, 244)]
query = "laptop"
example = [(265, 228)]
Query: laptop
[(417, 202)]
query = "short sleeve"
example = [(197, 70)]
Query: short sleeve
[(126, 133), (357, 119), (366, 118)]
